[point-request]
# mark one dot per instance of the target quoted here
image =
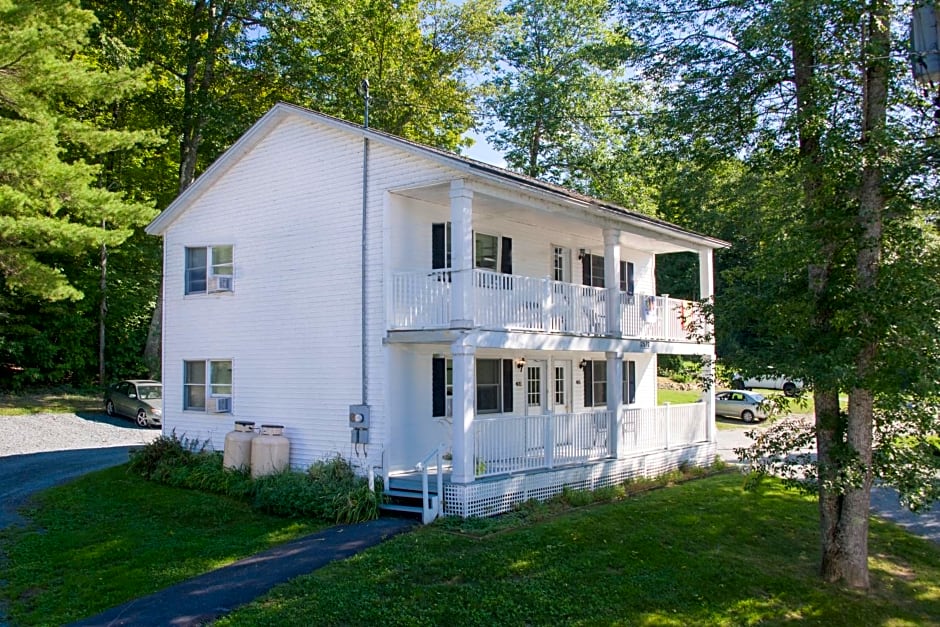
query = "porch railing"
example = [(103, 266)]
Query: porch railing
[(422, 300), (508, 444), (662, 427)]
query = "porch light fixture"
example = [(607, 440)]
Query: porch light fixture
[(520, 363), (581, 253), (583, 364)]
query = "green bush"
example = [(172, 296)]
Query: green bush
[(329, 490)]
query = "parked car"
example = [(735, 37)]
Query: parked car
[(740, 404), (139, 399), (789, 386)]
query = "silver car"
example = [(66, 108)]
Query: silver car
[(740, 404), (139, 399)]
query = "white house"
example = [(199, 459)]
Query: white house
[(399, 305)]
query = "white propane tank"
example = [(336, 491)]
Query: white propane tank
[(270, 451), (237, 454)]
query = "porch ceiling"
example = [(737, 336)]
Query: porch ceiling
[(570, 218)]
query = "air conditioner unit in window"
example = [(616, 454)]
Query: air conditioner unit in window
[(220, 283), (220, 405)]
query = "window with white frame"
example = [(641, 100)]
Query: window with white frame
[(560, 386), (595, 383), (592, 272), (209, 269), (490, 252), (207, 385), (629, 382), (534, 386)]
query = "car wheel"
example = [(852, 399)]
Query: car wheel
[(747, 415), (142, 418), (109, 408), (789, 388)]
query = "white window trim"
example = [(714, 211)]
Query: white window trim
[(208, 395), (210, 269)]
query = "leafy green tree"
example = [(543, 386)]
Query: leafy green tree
[(558, 103), (814, 98), (51, 206)]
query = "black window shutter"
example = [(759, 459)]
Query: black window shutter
[(589, 384), (631, 381), (438, 245), (438, 386), (507, 385), (505, 263), (585, 269)]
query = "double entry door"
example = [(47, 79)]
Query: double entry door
[(547, 387)]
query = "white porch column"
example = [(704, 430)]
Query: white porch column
[(461, 260), (612, 280), (706, 280), (465, 382), (614, 400)]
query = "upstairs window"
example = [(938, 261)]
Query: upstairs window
[(592, 273), (209, 269), (490, 252)]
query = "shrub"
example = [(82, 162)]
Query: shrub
[(329, 490)]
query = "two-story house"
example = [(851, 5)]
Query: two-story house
[(406, 307)]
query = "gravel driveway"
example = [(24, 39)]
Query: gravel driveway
[(38, 451), (38, 433)]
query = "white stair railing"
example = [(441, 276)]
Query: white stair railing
[(431, 506)]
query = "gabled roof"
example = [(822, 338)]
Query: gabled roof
[(470, 167)]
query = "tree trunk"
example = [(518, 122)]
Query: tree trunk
[(102, 314)]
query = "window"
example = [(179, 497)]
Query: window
[(204, 267), (560, 386), (561, 264), (629, 382), (490, 252), (205, 380), (534, 386), (494, 385), (592, 273), (595, 383)]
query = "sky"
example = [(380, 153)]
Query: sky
[(482, 151)]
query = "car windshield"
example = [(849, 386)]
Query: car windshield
[(150, 391)]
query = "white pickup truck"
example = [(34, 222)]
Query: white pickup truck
[(789, 386)]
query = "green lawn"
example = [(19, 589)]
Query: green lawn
[(109, 537), (677, 397), (700, 553), (51, 400)]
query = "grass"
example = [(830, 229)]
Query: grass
[(51, 400), (109, 537), (700, 553), (664, 395)]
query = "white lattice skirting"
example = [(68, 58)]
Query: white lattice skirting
[(499, 494)]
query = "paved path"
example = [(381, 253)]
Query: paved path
[(203, 599), (23, 475)]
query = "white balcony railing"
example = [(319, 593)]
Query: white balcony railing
[(508, 444), (422, 300)]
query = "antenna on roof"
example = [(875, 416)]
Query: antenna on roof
[(363, 90)]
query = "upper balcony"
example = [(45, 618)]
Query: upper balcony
[(423, 301)]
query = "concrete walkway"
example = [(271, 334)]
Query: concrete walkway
[(209, 596)]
